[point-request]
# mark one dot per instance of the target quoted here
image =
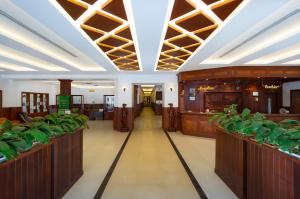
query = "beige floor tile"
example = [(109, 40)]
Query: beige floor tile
[(149, 166), (199, 154), (100, 147)]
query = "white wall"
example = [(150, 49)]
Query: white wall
[(11, 91), (286, 88), (93, 97), (127, 82)]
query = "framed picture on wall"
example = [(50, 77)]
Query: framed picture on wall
[(192, 94)]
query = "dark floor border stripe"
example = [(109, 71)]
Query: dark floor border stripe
[(104, 183), (187, 169)]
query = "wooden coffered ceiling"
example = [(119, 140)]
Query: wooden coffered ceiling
[(106, 24), (190, 24)]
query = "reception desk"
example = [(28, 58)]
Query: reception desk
[(196, 123)]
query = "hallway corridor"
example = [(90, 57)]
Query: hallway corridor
[(149, 166)]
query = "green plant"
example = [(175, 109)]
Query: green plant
[(20, 138), (285, 135)]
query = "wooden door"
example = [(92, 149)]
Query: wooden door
[(295, 101)]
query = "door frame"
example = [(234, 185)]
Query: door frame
[(291, 92)]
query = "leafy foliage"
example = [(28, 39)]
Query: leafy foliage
[(20, 138), (285, 135)]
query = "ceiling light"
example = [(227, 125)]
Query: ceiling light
[(25, 58), (147, 85), (91, 87), (187, 31), (28, 39), (14, 67), (108, 25), (147, 90), (278, 55), (293, 62)]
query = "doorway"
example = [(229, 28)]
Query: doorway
[(295, 101)]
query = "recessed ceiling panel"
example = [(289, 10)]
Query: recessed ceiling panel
[(190, 24), (106, 23)]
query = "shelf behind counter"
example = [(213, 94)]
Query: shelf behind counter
[(196, 123)]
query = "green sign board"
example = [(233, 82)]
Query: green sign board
[(63, 101)]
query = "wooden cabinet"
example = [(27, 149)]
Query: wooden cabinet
[(35, 104)]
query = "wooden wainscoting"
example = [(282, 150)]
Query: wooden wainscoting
[(10, 113)]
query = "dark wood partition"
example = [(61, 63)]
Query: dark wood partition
[(255, 171), (230, 161), (270, 173), (28, 176), (67, 159)]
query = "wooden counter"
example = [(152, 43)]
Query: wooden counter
[(280, 117), (196, 124)]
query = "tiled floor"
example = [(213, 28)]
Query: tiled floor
[(199, 154), (100, 147), (149, 166)]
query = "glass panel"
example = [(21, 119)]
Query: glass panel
[(24, 102), (109, 102), (31, 101), (44, 103), (38, 103), (76, 99)]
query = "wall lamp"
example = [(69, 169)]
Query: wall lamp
[(124, 89), (171, 89)]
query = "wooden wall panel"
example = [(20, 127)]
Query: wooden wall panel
[(28, 176), (157, 108), (65, 86), (10, 113)]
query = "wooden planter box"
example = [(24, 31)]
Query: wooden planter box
[(28, 176), (230, 161), (67, 159), (271, 173), (255, 171)]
